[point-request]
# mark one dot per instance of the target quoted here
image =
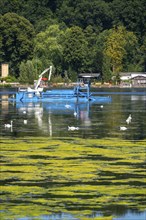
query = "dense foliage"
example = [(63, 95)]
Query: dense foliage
[(17, 35), (106, 36)]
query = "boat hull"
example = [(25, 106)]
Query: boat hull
[(57, 96)]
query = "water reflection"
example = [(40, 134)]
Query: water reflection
[(98, 120), (45, 114), (135, 215), (136, 98), (66, 216), (4, 104), (62, 216)]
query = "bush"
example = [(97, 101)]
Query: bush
[(57, 79), (27, 72), (9, 79), (5, 86)]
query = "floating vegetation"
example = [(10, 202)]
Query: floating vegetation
[(81, 177)]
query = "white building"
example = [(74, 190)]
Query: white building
[(133, 78)]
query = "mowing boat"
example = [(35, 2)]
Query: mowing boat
[(79, 94)]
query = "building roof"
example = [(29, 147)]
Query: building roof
[(132, 73), (139, 77), (89, 75)]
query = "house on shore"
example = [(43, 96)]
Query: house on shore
[(133, 79)]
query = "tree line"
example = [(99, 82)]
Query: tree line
[(106, 36)]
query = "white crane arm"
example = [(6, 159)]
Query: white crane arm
[(41, 75)]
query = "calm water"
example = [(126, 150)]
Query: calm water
[(95, 121)]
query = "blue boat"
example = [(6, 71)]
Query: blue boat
[(79, 94)]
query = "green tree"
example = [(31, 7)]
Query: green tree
[(122, 51), (48, 47), (83, 13), (75, 49), (17, 35), (27, 72), (33, 10), (133, 59), (106, 70), (103, 62), (131, 14), (114, 48), (14, 6), (92, 59), (143, 51), (1, 52)]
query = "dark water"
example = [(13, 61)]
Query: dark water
[(95, 121)]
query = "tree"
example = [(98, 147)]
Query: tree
[(132, 60), (17, 40), (131, 14), (48, 47), (75, 49), (106, 70), (114, 48), (103, 62), (123, 51), (92, 58), (11, 6), (33, 10), (28, 72), (143, 51), (83, 13)]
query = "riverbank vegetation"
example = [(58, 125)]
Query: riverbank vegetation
[(80, 177), (72, 36)]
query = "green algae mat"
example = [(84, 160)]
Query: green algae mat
[(42, 176)]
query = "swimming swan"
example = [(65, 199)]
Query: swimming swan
[(122, 128), (9, 125), (72, 128)]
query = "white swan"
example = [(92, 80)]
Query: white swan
[(72, 128), (25, 121), (9, 125), (128, 120), (67, 106), (75, 114), (122, 128)]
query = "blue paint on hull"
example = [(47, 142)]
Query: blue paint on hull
[(58, 96)]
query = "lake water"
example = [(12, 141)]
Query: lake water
[(42, 195), (94, 120)]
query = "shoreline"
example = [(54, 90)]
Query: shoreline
[(68, 85)]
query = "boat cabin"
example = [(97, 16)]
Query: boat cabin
[(83, 84)]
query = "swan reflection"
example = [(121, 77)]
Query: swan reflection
[(41, 111)]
